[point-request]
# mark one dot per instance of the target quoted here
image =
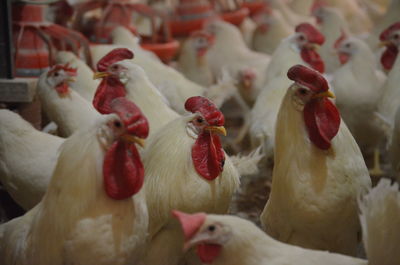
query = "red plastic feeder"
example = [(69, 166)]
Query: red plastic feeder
[(190, 16), (114, 13), (254, 6), (235, 17), (36, 40), (165, 51)]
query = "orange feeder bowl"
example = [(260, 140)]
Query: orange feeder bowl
[(235, 17), (254, 6), (189, 16), (165, 51), (184, 28)]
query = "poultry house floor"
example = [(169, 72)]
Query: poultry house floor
[(250, 199)]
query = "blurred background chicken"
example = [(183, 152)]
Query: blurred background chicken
[(313, 200), (97, 172), (62, 104), (358, 87), (84, 83), (27, 159), (271, 29)]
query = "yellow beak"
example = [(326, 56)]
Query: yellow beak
[(313, 46), (134, 139), (71, 79), (326, 94), (384, 43), (217, 129), (98, 75)]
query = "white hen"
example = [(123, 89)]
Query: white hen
[(27, 159)]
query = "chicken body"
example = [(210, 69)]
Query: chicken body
[(302, 7), (172, 182), (271, 30), (358, 87), (141, 91), (67, 109), (313, 200), (380, 219), (27, 159), (291, 17), (84, 84), (77, 222)]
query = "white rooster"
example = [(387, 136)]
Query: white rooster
[(27, 159), (61, 104), (319, 171), (88, 215), (358, 87), (186, 169)]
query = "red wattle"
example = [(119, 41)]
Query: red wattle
[(62, 89), (322, 120), (389, 56), (343, 57), (311, 57), (201, 52), (208, 156), (109, 89), (123, 171), (208, 252)]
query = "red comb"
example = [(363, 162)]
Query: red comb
[(342, 37), (317, 5), (313, 34), (386, 33), (114, 56), (190, 222), (130, 114), (308, 77), (65, 67), (204, 106)]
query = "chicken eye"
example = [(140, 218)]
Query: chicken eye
[(396, 36), (303, 91), (200, 120), (56, 74), (117, 124), (301, 38), (211, 228), (114, 67), (348, 45)]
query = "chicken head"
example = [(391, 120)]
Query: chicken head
[(307, 39), (123, 170), (59, 76), (208, 236), (390, 38), (201, 41), (310, 95), (207, 153), (112, 73)]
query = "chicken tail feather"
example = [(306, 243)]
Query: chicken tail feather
[(380, 222), (247, 165)]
